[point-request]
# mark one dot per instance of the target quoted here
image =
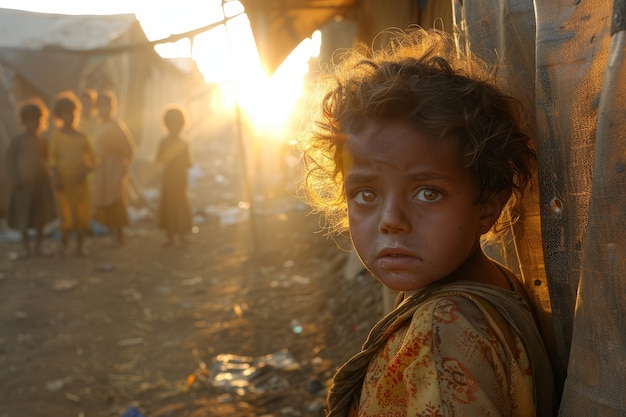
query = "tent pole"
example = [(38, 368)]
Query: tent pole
[(246, 180)]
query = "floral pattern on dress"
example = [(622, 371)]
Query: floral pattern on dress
[(447, 362)]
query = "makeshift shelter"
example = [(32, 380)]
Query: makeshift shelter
[(566, 62), (43, 54)]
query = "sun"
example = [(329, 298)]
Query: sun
[(227, 55)]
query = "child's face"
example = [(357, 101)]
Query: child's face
[(104, 107), (412, 206), (68, 117), (32, 125)]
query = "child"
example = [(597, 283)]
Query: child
[(32, 201), (175, 155), (115, 148), (72, 157), (416, 153)]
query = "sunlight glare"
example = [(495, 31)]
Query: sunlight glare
[(226, 54)]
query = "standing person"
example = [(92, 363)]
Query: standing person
[(71, 159), (174, 153), (115, 148), (88, 124), (416, 153), (89, 115), (32, 201)]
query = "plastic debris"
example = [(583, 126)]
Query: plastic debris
[(132, 412), (193, 281), (244, 374), (105, 267), (130, 342), (65, 284), (296, 326)]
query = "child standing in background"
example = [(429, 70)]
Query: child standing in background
[(416, 152), (115, 148), (175, 155), (71, 158), (32, 201)]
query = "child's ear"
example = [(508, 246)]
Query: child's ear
[(492, 207)]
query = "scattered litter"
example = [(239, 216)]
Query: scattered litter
[(132, 294), (136, 215), (162, 289), (296, 326), (132, 412), (65, 285), (193, 281), (285, 281), (105, 267), (230, 215), (131, 342), (72, 397), (245, 374), (56, 384), (239, 309), (22, 315)]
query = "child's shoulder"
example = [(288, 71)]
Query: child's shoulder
[(449, 307), (468, 301)]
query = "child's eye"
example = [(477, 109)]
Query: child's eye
[(429, 195), (364, 196)]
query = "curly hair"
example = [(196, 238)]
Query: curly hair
[(421, 78)]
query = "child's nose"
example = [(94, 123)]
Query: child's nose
[(395, 217)]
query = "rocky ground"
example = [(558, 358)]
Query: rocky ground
[(249, 319)]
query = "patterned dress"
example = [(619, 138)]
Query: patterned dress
[(461, 349)]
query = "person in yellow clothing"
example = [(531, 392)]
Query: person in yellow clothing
[(115, 148), (88, 124), (71, 158), (416, 152)]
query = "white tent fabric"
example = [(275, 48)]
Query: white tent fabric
[(26, 30)]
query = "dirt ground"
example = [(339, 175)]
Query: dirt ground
[(144, 325)]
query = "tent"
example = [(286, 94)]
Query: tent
[(566, 61), (43, 54)]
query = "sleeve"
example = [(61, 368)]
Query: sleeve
[(448, 361)]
